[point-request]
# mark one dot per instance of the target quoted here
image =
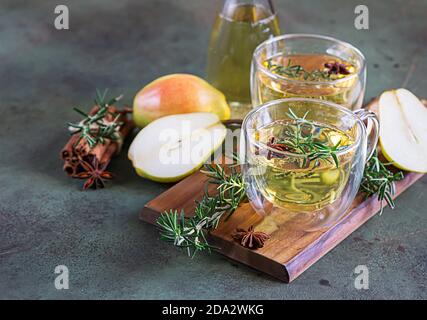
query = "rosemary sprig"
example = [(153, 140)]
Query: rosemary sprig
[(188, 233), (297, 71), (303, 143), (93, 128), (231, 190), (377, 179), (183, 232)]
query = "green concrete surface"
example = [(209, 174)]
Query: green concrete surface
[(45, 220)]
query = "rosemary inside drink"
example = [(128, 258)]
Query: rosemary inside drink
[(301, 167), (318, 76), (236, 33)]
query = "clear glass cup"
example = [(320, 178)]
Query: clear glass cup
[(281, 186), (313, 52)]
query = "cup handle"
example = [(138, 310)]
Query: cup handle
[(372, 129)]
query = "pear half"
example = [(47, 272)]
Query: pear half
[(173, 147), (403, 130)]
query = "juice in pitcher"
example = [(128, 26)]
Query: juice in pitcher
[(238, 30)]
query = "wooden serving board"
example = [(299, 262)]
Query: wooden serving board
[(290, 251)]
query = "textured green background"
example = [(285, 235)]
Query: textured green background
[(45, 220)]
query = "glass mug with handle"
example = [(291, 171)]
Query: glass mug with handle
[(303, 159), (308, 66)]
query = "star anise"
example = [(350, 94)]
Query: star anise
[(335, 67), (278, 146), (250, 238), (94, 173)]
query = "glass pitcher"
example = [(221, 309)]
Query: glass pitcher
[(239, 28)]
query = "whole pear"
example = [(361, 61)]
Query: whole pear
[(177, 94)]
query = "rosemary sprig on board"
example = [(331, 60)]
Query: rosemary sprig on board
[(188, 233), (297, 71), (377, 179), (304, 144), (93, 128)]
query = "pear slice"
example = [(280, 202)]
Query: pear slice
[(173, 147), (403, 130)]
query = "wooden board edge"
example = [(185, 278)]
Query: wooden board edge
[(252, 259), (148, 215), (346, 226)]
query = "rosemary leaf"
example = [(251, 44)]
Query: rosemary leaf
[(93, 128), (306, 145), (377, 179), (297, 71), (188, 233)]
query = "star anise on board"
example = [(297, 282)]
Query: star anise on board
[(94, 173), (250, 238)]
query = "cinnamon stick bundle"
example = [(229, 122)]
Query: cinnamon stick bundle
[(77, 152)]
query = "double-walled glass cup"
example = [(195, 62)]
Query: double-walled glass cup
[(281, 184), (337, 70)]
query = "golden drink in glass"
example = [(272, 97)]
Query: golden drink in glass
[(308, 66), (288, 183), (286, 178)]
